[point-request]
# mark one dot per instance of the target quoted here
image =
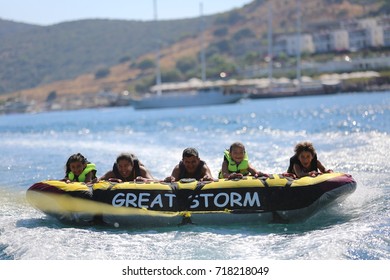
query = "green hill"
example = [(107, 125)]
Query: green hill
[(33, 56)]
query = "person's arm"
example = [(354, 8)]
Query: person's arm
[(88, 177), (67, 180), (225, 172), (256, 173), (322, 168), (109, 176), (174, 175), (145, 174), (252, 170), (206, 172)]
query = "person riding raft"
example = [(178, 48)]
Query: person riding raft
[(79, 169), (127, 168), (190, 166), (305, 162), (236, 164)]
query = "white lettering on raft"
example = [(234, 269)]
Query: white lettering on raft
[(225, 199), (208, 200), (141, 201)]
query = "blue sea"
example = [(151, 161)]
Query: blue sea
[(351, 133)]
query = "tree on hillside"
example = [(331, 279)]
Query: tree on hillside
[(218, 64), (125, 59), (243, 34), (102, 73), (222, 46), (385, 7), (51, 96), (251, 58), (142, 86), (147, 64), (221, 32), (186, 64), (171, 76), (230, 18)]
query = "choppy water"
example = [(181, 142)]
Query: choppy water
[(350, 133)]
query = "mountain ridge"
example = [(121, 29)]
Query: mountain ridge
[(113, 52)]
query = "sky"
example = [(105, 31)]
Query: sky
[(48, 12)]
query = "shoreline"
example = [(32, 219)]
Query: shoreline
[(83, 101)]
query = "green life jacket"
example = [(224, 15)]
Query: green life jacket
[(242, 167), (81, 178)]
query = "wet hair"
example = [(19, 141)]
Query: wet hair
[(135, 166), (190, 152), (126, 156), (75, 158), (237, 145), (304, 147)]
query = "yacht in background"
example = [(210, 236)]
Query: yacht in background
[(195, 92)]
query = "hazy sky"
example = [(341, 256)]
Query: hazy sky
[(47, 12)]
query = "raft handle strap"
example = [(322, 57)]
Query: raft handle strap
[(264, 181), (289, 180), (196, 191), (112, 184), (174, 186), (289, 183)]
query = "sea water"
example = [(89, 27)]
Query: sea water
[(351, 133)]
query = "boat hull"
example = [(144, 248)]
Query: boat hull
[(187, 99), (222, 202)]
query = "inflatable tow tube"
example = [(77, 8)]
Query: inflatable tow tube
[(247, 200)]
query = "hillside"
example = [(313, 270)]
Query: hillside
[(39, 55), (9, 28), (41, 60)]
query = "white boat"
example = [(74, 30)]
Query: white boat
[(194, 92), (187, 98)]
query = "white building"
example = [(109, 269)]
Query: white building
[(352, 35), (331, 41), (290, 44), (366, 33)]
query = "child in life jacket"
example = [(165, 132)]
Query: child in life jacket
[(236, 163), (305, 162), (127, 168), (79, 169)]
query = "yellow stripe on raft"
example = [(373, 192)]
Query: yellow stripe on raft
[(247, 182), (275, 181), (309, 181), (157, 186), (67, 187)]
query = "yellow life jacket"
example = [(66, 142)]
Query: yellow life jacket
[(81, 178), (242, 167)]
